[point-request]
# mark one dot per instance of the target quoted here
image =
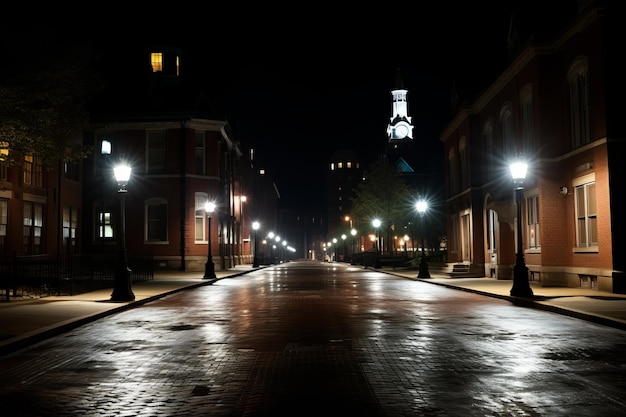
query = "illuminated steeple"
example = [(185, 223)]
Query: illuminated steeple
[(400, 127)]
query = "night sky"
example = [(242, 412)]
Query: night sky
[(297, 83)]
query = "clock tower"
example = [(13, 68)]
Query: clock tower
[(400, 127)]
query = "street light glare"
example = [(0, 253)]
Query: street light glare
[(518, 169), (122, 172), (209, 207), (421, 206)]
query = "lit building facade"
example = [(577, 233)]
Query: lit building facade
[(556, 105)]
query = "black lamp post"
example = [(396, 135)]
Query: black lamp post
[(105, 152), (277, 240), (255, 262), (521, 286), (421, 207), (376, 224), (122, 290), (353, 251), (209, 268), (270, 239)]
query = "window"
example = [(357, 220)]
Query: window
[(4, 171), (156, 60), (33, 170), (38, 174), (72, 171), (463, 164), (201, 218), (488, 142), (156, 153), (586, 212), (200, 154), (526, 105), (532, 221), (33, 226), (105, 228), (492, 234), (453, 184), (28, 169), (70, 224), (506, 119), (579, 103), (156, 220)]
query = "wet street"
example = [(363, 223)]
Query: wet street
[(307, 338)]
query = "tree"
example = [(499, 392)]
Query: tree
[(384, 195), (43, 106)]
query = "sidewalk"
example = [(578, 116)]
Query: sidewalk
[(24, 322)]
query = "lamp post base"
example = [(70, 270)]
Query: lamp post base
[(122, 290), (521, 286), (423, 272), (209, 270)]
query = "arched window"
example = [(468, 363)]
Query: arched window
[(579, 102), (453, 179), (490, 154), (464, 174), (526, 106), (506, 120)]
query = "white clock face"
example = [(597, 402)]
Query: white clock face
[(401, 131)]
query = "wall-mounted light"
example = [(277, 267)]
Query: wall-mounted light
[(563, 190)]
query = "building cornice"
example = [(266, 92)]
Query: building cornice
[(198, 124)]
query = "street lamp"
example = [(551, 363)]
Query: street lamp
[(406, 243), (421, 207), (255, 226), (343, 238), (209, 268), (353, 233), (122, 290), (105, 152), (521, 286), (376, 224), (277, 240)]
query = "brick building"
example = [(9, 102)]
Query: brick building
[(559, 105)]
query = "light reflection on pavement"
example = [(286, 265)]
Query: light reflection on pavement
[(304, 338)]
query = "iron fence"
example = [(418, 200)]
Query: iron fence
[(34, 276)]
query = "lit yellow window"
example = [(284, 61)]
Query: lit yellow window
[(156, 59)]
